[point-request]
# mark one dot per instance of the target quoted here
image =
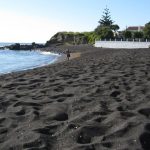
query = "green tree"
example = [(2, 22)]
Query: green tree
[(106, 27), (138, 35), (91, 36), (105, 32), (106, 18), (147, 30), (115, 28), (147, 23), (127, 34)]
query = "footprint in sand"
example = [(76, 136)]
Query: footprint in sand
[(86, 133), (145, 112), (145, 140), (59, 89), (115, 93)]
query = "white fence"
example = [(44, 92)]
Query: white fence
[(122, 44)]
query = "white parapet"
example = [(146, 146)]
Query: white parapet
[(122, 44)]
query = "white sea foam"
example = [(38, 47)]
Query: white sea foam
[(48, 53), (12, 61)]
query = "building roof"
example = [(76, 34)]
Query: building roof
[(137, 28)]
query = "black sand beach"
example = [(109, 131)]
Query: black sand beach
[(98, 101)]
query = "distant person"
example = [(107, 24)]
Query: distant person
[(68, 54)]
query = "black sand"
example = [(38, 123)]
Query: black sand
[(99, 101)]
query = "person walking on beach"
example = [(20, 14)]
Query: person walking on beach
[(68, 54)]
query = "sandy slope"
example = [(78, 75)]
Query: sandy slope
[(99, 101)]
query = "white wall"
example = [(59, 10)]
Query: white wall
[(121, 44)]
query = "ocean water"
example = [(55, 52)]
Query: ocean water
[(12, 61), (2, 44)]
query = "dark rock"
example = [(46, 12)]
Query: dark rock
[(18, 46)]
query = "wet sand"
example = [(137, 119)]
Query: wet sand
[(99, 100)]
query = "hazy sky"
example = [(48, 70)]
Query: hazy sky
[(38, 20)]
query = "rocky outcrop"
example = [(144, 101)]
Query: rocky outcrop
[(68, 38), (18, 46)]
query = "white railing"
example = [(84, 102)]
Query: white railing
[(122, 44)]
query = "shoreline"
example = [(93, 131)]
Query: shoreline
[(64, 58), (97, 101), (60, 58)]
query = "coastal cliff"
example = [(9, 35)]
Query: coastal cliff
[(68, 38), (59, 39)]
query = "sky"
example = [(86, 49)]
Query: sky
[(27, 21)]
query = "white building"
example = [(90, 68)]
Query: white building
[(135, 28)]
